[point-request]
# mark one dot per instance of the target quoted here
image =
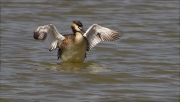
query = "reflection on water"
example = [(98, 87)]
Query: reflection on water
[(90, 67)]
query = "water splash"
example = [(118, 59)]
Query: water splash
[(90, 67)]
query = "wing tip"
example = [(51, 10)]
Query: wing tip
[(117, 35)]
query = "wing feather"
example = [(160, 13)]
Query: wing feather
[(96, 33), (53, 37)]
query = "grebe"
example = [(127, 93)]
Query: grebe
[(73, 47)]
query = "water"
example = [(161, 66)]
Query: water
[(142, 66)]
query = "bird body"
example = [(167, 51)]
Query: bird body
[(73, 47)]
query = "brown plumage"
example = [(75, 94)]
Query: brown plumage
[(72, 47), (69, 39)]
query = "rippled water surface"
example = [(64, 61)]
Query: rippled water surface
[(142, 66)]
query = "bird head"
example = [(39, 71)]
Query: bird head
[(77, 26)]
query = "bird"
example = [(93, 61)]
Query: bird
[(72, 47)]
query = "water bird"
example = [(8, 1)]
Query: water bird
[(72, 47)]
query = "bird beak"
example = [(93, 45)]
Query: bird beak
[(82, 30)]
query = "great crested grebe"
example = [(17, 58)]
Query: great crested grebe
[(73, 47)]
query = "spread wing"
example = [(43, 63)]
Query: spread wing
[(97, 33), (50, 36)]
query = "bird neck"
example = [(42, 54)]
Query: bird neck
[(78, 37), (78, 34)]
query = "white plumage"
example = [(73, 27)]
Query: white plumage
[(97, 33), (73, 47)]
